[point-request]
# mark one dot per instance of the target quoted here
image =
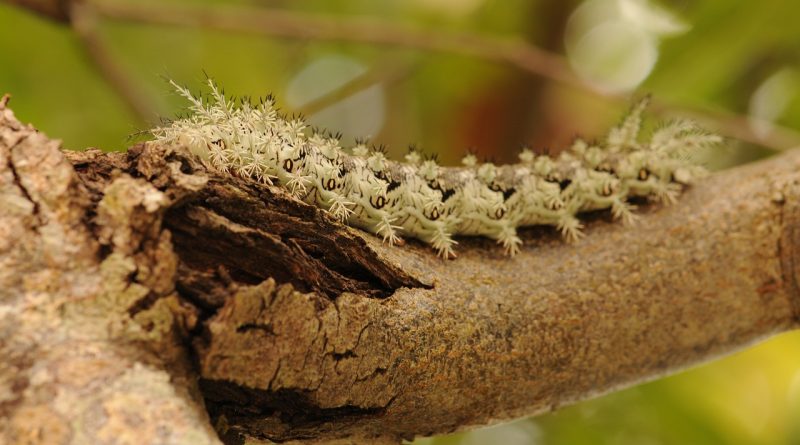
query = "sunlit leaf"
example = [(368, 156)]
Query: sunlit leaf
[(614, 56), (771, 99), (651, 17), (361, 114)]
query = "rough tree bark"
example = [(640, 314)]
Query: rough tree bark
[(144, 299)]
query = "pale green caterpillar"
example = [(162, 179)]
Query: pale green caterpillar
[(420, 199)]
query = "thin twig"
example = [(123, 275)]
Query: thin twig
[(57, 10), (362, 30), (736, 125), (519, 54), (84, 23), (358, 30), (386, 73)]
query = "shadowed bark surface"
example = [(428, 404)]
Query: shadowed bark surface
[(144, 299)]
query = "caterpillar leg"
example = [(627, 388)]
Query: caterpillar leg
[(570, 228), (509, 240), (298, 184), (339, 207), (667, 193), (623, 210), (387, 231), (443, 242)]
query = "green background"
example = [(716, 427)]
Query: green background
[(448, 103)]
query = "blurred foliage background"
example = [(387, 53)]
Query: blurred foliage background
[(451, 76)]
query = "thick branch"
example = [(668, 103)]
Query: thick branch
[(497, 338), (306, 329)]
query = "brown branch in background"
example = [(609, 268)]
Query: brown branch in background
[(275, 23), (517, 53), (297, 25), (84, 22), (387, 73), (57, 10)]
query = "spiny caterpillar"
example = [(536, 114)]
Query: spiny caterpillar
[(419, 198)]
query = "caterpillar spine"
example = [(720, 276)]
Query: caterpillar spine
[(423, 200)]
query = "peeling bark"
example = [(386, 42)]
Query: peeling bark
[(144, 299)]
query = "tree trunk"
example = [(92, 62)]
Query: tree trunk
[(144, 299)]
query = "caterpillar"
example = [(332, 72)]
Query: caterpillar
[(419, 198)]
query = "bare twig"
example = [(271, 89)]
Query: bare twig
[(517, 53), (735, 125), (386, 73), (357, 30), (84, 22), (296, 25), (57, 10)]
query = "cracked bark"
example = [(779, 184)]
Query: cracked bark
[(144, 299)]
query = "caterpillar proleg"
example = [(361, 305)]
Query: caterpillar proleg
[(421, 199)]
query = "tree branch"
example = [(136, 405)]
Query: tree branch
[(57, 10), (369, 30), (304, 329), (84, 22)]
